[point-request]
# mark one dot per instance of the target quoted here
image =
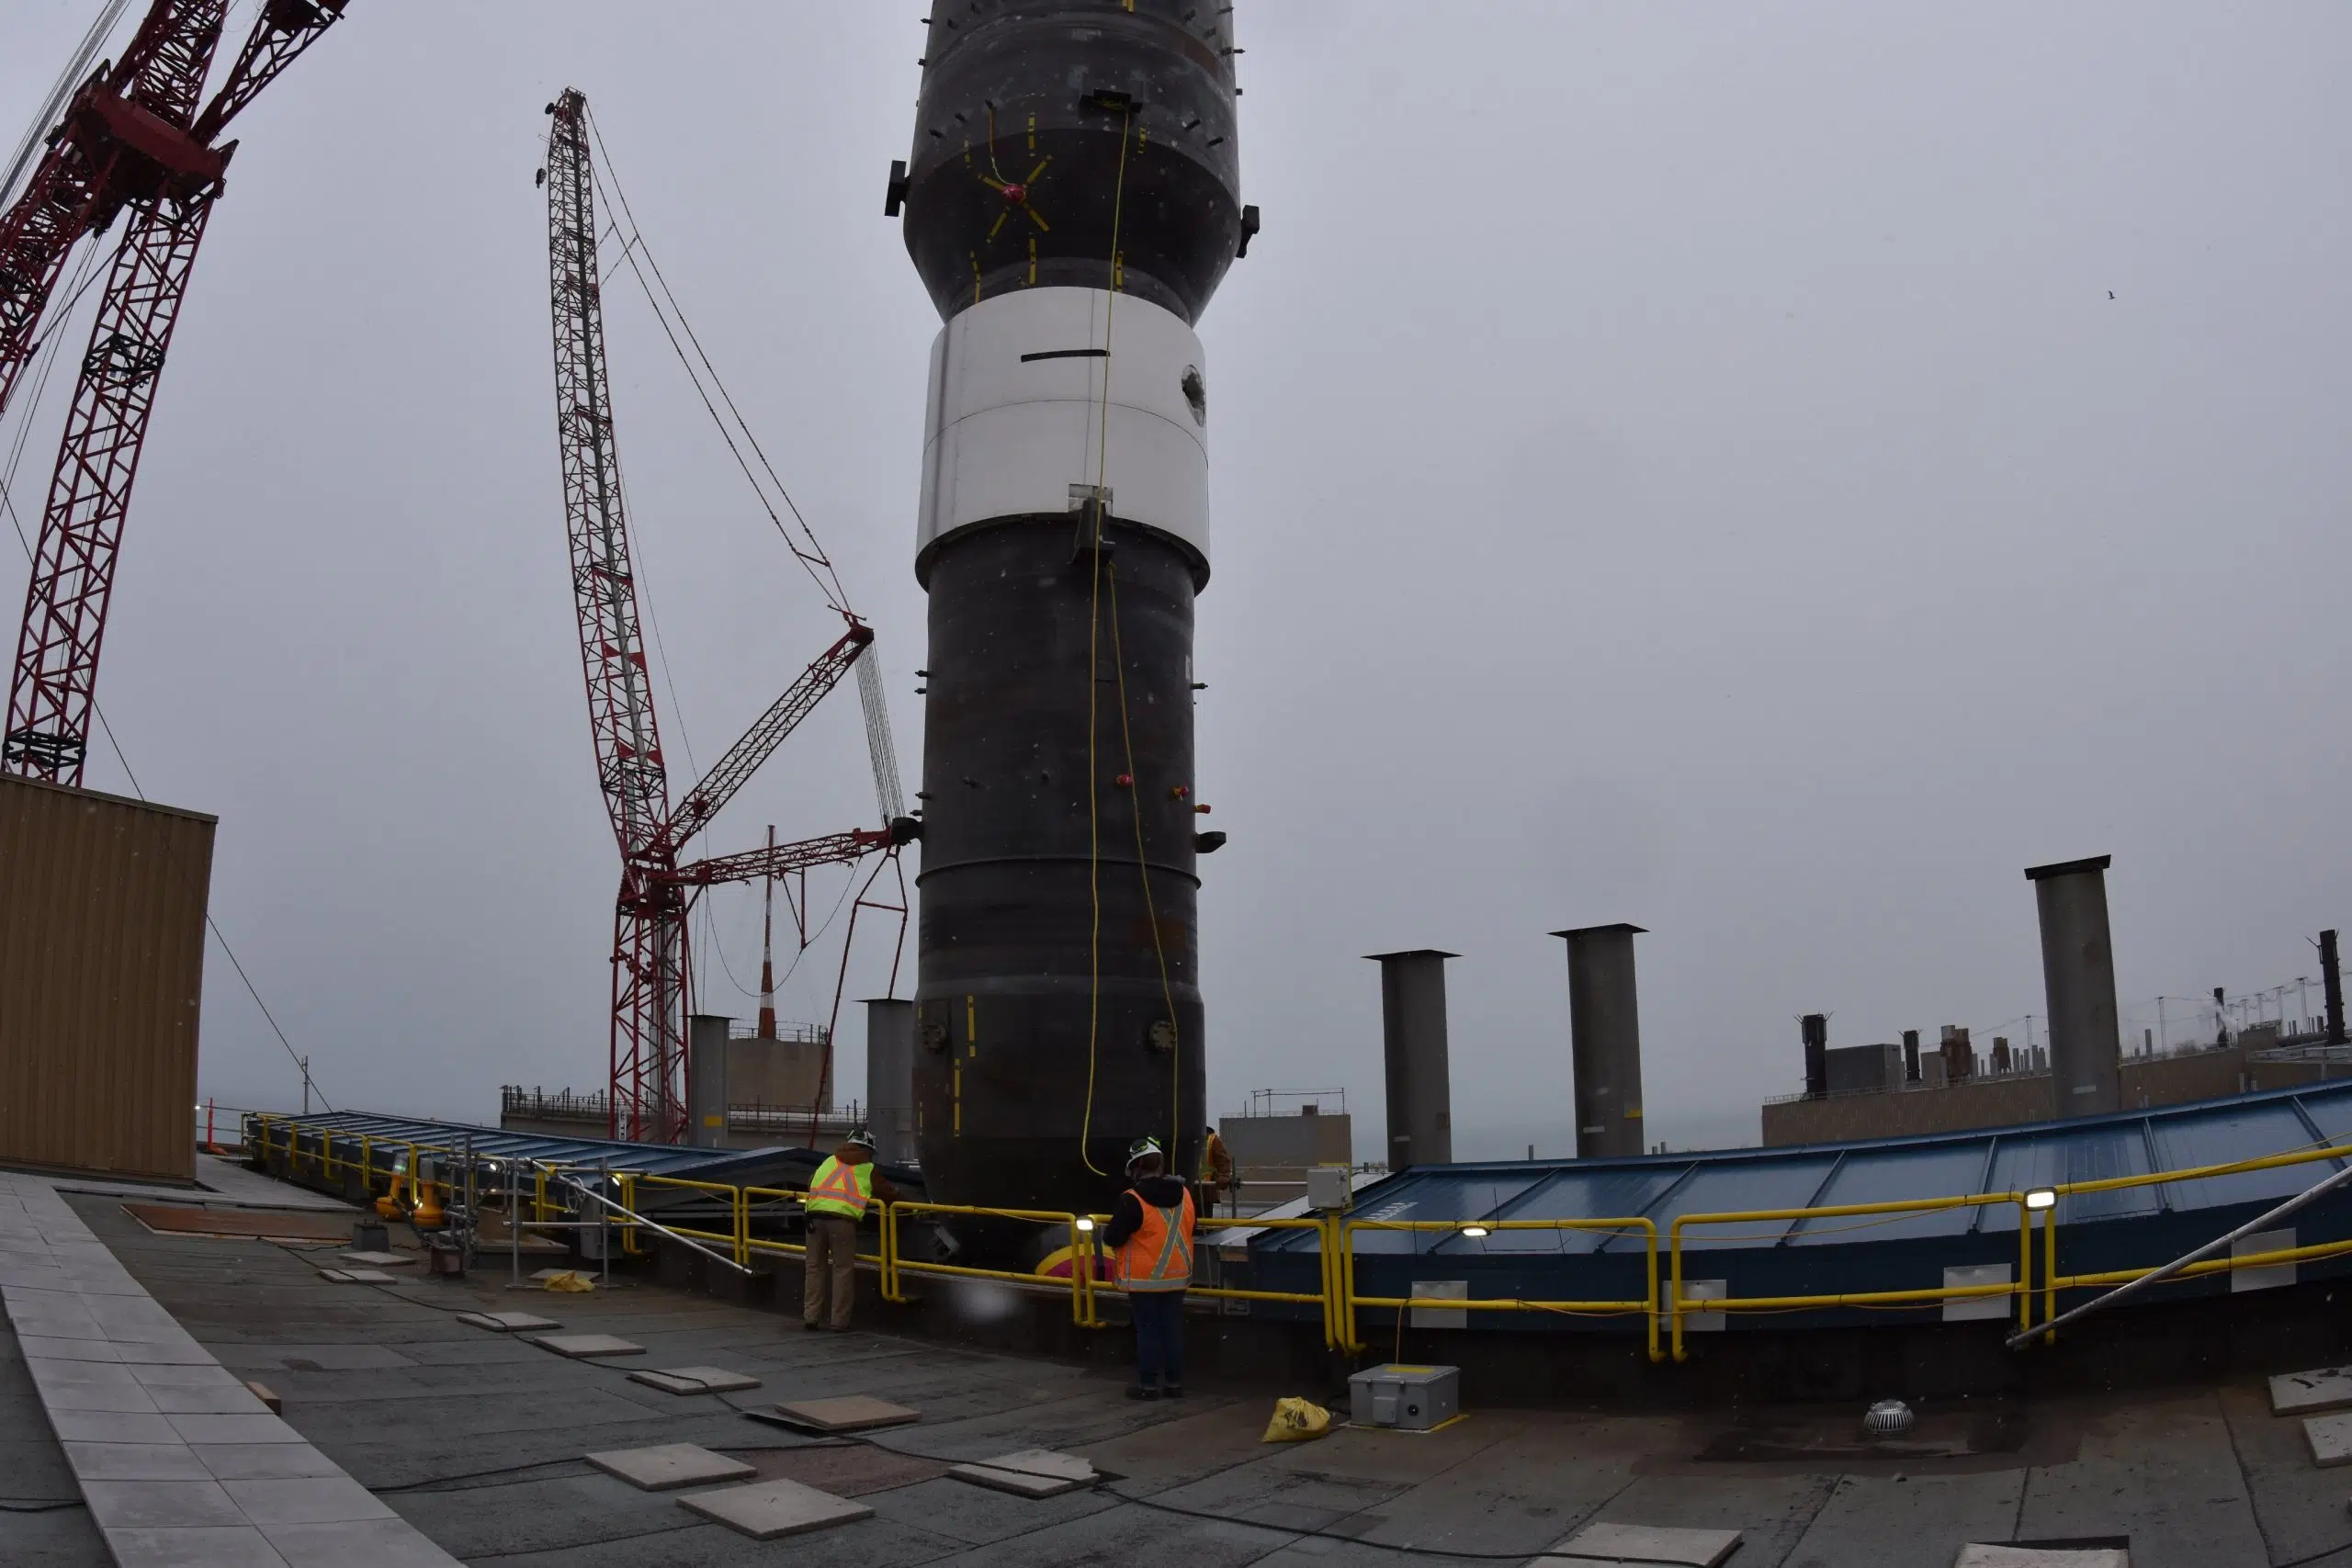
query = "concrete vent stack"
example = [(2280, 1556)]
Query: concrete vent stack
[(1412, 1034), (2078, 979), (1605, 1040), (890, 1079), (1814, 1028)]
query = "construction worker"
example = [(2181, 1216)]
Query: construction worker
[(1217, 1173), (838, 1195), (1151, 1257)]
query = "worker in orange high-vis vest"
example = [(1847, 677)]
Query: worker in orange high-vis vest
[(1151, 1254), (838, 1196)]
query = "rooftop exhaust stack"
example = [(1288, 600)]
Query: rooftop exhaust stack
[(1910, 1056), (2331, 976), (1816, 1028), (707, 1035), (1605, 1040), (1071, 199), (891, 1079), (1412, 1038), (2079, 978)]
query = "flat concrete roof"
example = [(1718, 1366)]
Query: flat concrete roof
[(478, 1440)]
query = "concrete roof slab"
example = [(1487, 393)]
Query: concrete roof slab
[(236, 1546), (668, 1466), (771, 1509)]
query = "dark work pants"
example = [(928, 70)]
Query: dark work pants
[(1159, 1337), (829, 1271)]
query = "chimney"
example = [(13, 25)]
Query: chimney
[(1910, 1056), (1605, 1041), (2332, 982), (1412, 1032), (2079, 979), (1814, 1028)]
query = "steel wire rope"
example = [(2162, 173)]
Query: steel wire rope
[(1143, 869), (67, 80), (86, 276), (792, 968), (1093, 683), (829, 584)]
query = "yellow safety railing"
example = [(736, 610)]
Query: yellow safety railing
[(1665, 1306), (1082, 1229), (2053, 1282), (1677, 1307), (773, 1195), (1326, 1250), (1347, 1301), (737, 1238)]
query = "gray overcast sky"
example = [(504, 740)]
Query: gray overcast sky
[(1672, 463)]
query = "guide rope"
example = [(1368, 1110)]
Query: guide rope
[(1093, 662)]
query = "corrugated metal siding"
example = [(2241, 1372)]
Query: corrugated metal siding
[(102, 904)]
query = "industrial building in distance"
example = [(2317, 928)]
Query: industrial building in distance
[(1898, 1091)]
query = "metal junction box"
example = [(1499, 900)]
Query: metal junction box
[(1411, 1399)]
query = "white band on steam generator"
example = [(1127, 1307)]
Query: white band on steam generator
[(1017, 418)]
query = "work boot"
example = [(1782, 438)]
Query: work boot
[(1141, 1393), (1174, 1391), (812, 1327)]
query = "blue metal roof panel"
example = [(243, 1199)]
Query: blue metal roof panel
[(1998, 1160)]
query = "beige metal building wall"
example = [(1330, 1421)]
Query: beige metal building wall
[(102, 904)]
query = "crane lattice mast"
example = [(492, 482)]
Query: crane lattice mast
[(136, 138), (651, 969)]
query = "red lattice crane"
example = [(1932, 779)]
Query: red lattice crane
[(138, 142), (651, 974)]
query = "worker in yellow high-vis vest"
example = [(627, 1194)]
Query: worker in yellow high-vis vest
[(838, 1196)]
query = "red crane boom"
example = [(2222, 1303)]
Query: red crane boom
[(651, 972), (133, 138)]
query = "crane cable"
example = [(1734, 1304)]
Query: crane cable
[(813, 559), (1150, 911), (1126, 741), (1093, 662)]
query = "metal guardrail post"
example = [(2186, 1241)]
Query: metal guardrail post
[(2050, 1271), (2158, 1276)]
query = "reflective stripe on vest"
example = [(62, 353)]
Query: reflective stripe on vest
[(1158, 1257), (841, 1188)]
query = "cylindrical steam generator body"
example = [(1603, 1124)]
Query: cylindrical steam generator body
[(1072, 203)]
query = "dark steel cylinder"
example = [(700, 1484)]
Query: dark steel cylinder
[(1089, 114), (2079, 978), (1072, 201), (1605, 1041), (1413, 1051)]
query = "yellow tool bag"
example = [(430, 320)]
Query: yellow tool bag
[(1296, 1421)]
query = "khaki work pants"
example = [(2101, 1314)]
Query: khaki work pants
[(830, 1267)]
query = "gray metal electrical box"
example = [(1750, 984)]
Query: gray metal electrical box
[(1412, 1399), (1328, 1187)]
